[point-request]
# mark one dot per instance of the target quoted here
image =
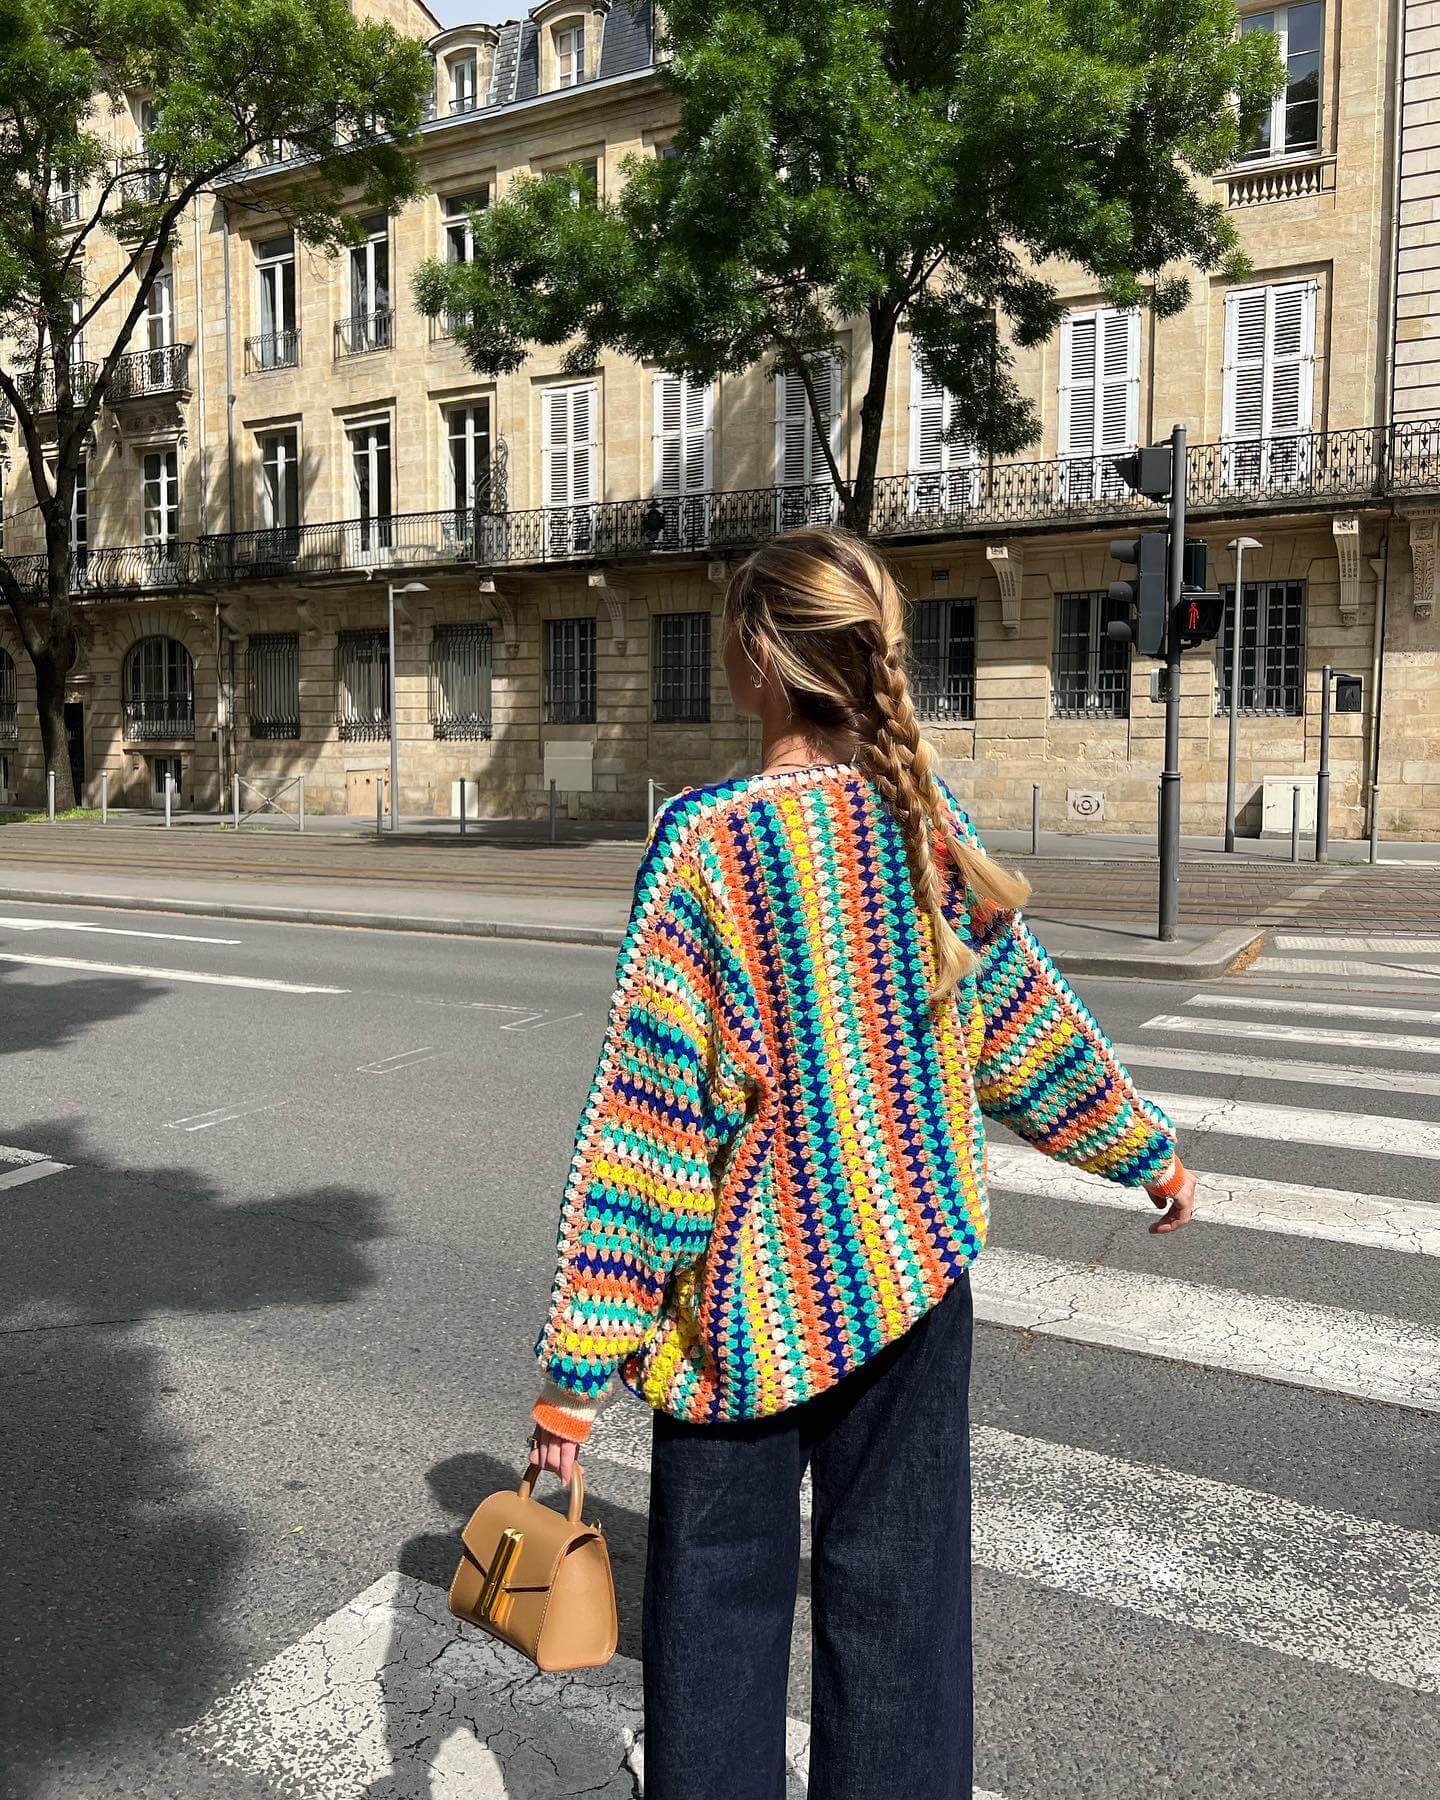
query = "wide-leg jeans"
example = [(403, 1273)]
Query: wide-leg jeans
[(888, 1448)]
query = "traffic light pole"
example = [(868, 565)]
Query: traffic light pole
[(1170, 775)]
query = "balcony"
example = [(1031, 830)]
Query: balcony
[(162, 374), (41, 394), (9, 723), (118, 572), (272, 350), (364, 332), (403, 540), (158, 721)]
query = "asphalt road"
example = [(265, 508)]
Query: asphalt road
[(265, 1339)]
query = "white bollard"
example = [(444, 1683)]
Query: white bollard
[(302, 802), (169, 783), (50, 795), (235, 798), (104, 796)]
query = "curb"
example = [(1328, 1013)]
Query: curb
[(593, 936), (1201, 962)]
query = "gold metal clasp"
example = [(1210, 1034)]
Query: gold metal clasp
[(495, 1602)]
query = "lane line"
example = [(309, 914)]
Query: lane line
[(1366, 1355), (1389, 1136), (11, 1153), (1259, 1068), (1395, 946), (1290, 1208), (172, 937), (191, 975), (1319, 965), (1329, 1587), (538, 1021), (1265, 1003), (1311, 1036), (402, 1059), (31, 1171), (223, 1115)]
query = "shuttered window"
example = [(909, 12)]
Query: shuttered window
[(569, 671), (362, 686), (569, 453), (944, 468), (460, 665), (682, 668), (1269, 385), (1091, 677), (274, 669), (801, 471), (682, 436), (942, 660), (1272, 649), (1099, 399)]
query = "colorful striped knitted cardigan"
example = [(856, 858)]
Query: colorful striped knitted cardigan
[(781, 1165)]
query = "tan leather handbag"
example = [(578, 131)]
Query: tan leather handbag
[(538, 1579)]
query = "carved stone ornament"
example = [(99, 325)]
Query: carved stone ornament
[(615, 601), (1007, 566), (1424, 527), (1347, 553), (502, 601)]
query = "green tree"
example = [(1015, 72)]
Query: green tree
[(896, 163), (219, 79)]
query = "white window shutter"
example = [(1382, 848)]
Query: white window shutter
[(826, 376), (1290, 354), (1246, 338), (927, 420), (792, 429), (557, 447), (1077, 384), (582, 431), (669, 441), (1118, 412), (696, 402)]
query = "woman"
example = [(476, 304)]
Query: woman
[(778, 1187)]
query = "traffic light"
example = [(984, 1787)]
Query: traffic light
[(1149, 471), (1197, 619), (1145, 595)]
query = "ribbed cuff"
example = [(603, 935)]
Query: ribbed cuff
[(567, 1415)]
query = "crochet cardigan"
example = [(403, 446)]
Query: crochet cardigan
[(781, 1163)]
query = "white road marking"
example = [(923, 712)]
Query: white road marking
[(1259, 1068), (11, 1153), (1312, 1036), (536, 1021), (1351, 971), (223, 1115), (30, 1171), (1396, 946), (235, 981), (402, 1059), (1338, 1351), (1331, 1587), (171, 937), (391, 1694), (1255, 1002), (1303, 1125), (1287, 1207)]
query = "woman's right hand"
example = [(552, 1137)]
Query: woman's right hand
[(1179, 1207)]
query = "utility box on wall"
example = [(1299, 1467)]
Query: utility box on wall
[(1084, 805), (571, 766), (1278, 803)]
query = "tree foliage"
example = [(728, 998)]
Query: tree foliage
[(918, 163)]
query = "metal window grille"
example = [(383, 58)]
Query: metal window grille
[(1092, 670), (159, 691), (682, 668), (362, 686), (9, 713), (569, 671), (460, 665), (274, 668), (1272, 649), (942, 659)]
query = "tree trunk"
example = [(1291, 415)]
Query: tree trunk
[(860, 506), (50, 702)]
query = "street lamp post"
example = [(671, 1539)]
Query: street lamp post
[(410, 587), (1239, 545)]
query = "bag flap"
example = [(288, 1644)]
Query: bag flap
[(546, 1537)]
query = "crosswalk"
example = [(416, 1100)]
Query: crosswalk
[(391, 1696), (1412, 962)]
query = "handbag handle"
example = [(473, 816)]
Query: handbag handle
[(577, 1490)]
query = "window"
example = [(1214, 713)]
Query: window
[(585, 182), (682, 439), (464, 91), (160, 311), (569, 449), (942, 659), (1099, 400), (65, 195), (944, 466), (370, 473), (467, 436), (459, 232), (1092, 670), (1293, 122), (159, 686), (80, 515), (682, 668), (160, 501), (569, 671), (279, 480), (274, 669), (371, 321), (569, 55), (362, 686), (165, 773), (278, 344), (1272, 641), (1269, 386), (9, 714), (801, 471), (460, 681)]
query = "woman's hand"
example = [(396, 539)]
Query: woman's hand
[(548, 1450), (1179, 1206)]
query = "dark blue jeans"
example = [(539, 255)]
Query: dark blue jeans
[(891, 1712)]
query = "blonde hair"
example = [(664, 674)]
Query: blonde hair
[(831, 621)]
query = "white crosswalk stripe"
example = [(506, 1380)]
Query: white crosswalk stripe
[(1303, 1125), (1392, 946), (1312, 1036), (20, 1167), (1260, 1068), (1347, 970), (1256, 1002)]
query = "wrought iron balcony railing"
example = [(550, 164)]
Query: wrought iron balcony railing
[(9, 722), (158, 721), (152, 374), (363, 332), (131, 569), (272, 350), (398, 540), (41, 394)]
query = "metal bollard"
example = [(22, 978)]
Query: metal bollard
[(50, 795), (169, 785), (1322, 779), (650, 800), (552, 812), (1375, 822), (1034, 818), (380, 806), (104, 796), (1295, 823), (235, 798), (302, 802), (462, 806)]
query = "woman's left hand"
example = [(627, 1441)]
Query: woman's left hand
[(548, 1450), (1179, 1206)]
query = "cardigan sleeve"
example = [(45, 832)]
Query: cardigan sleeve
[(640, 1198)]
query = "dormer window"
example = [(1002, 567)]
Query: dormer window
[(464, 59), (569, 34), (464, 88), (569, 54)]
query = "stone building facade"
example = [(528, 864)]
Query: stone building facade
[(573, 534)]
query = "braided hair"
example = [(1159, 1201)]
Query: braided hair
[(831, 621)]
